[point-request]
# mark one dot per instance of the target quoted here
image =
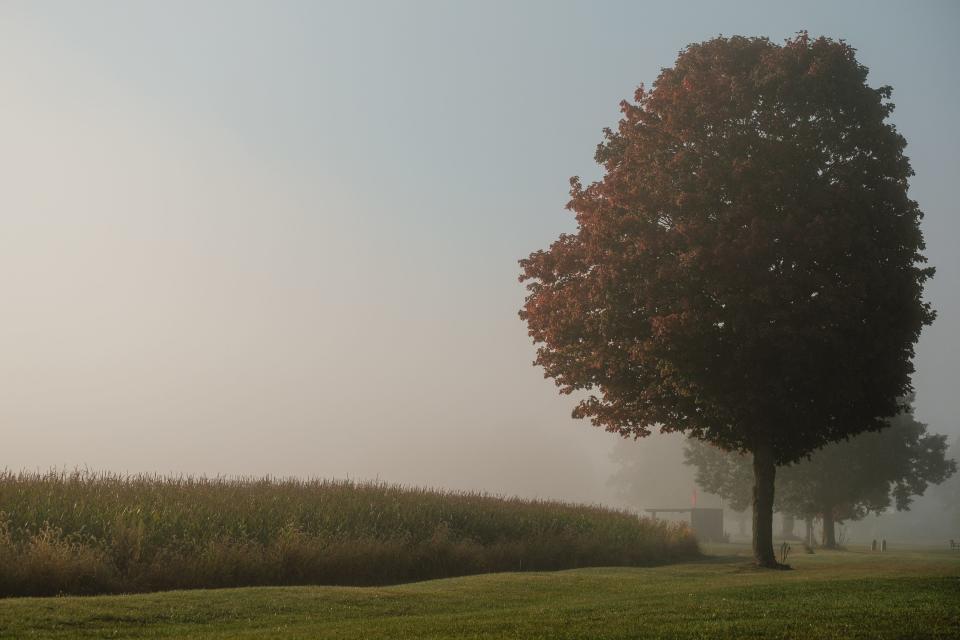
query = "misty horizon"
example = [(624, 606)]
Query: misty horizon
[(274, 245)]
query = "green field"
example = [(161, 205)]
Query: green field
[(851, 594)]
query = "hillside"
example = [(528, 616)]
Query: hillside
[(841, 595)]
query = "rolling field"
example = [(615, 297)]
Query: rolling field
[(852, 594)]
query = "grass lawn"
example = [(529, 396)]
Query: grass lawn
[(852, 594)]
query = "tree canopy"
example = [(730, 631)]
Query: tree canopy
[(749, 268)]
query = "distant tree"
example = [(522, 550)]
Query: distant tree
[(726, 474), (652, 475), (949, 491), (843, 481), (867, 474), (748, 270)]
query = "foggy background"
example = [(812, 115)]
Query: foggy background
[(282, 238)]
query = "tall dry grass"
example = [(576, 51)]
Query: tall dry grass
[(84, 532)]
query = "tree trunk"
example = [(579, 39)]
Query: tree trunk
[(764, 473), (829, 530), (809, 531), (787, 528)]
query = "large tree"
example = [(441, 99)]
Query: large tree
[(748, 270), (843, 481)]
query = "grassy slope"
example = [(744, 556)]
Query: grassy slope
[(829, 595)]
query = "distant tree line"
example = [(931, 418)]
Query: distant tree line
[(868, 473)]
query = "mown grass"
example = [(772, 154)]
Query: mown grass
[(828, 595), (85, 533)]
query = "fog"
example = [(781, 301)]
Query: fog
[(250, 238)]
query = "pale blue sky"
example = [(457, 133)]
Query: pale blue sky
[(281, 237)]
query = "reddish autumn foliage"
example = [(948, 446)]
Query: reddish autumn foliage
[(748, 270)]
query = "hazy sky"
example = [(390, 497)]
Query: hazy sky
[(281, 237)]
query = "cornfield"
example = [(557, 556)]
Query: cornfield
[(83, 532)]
